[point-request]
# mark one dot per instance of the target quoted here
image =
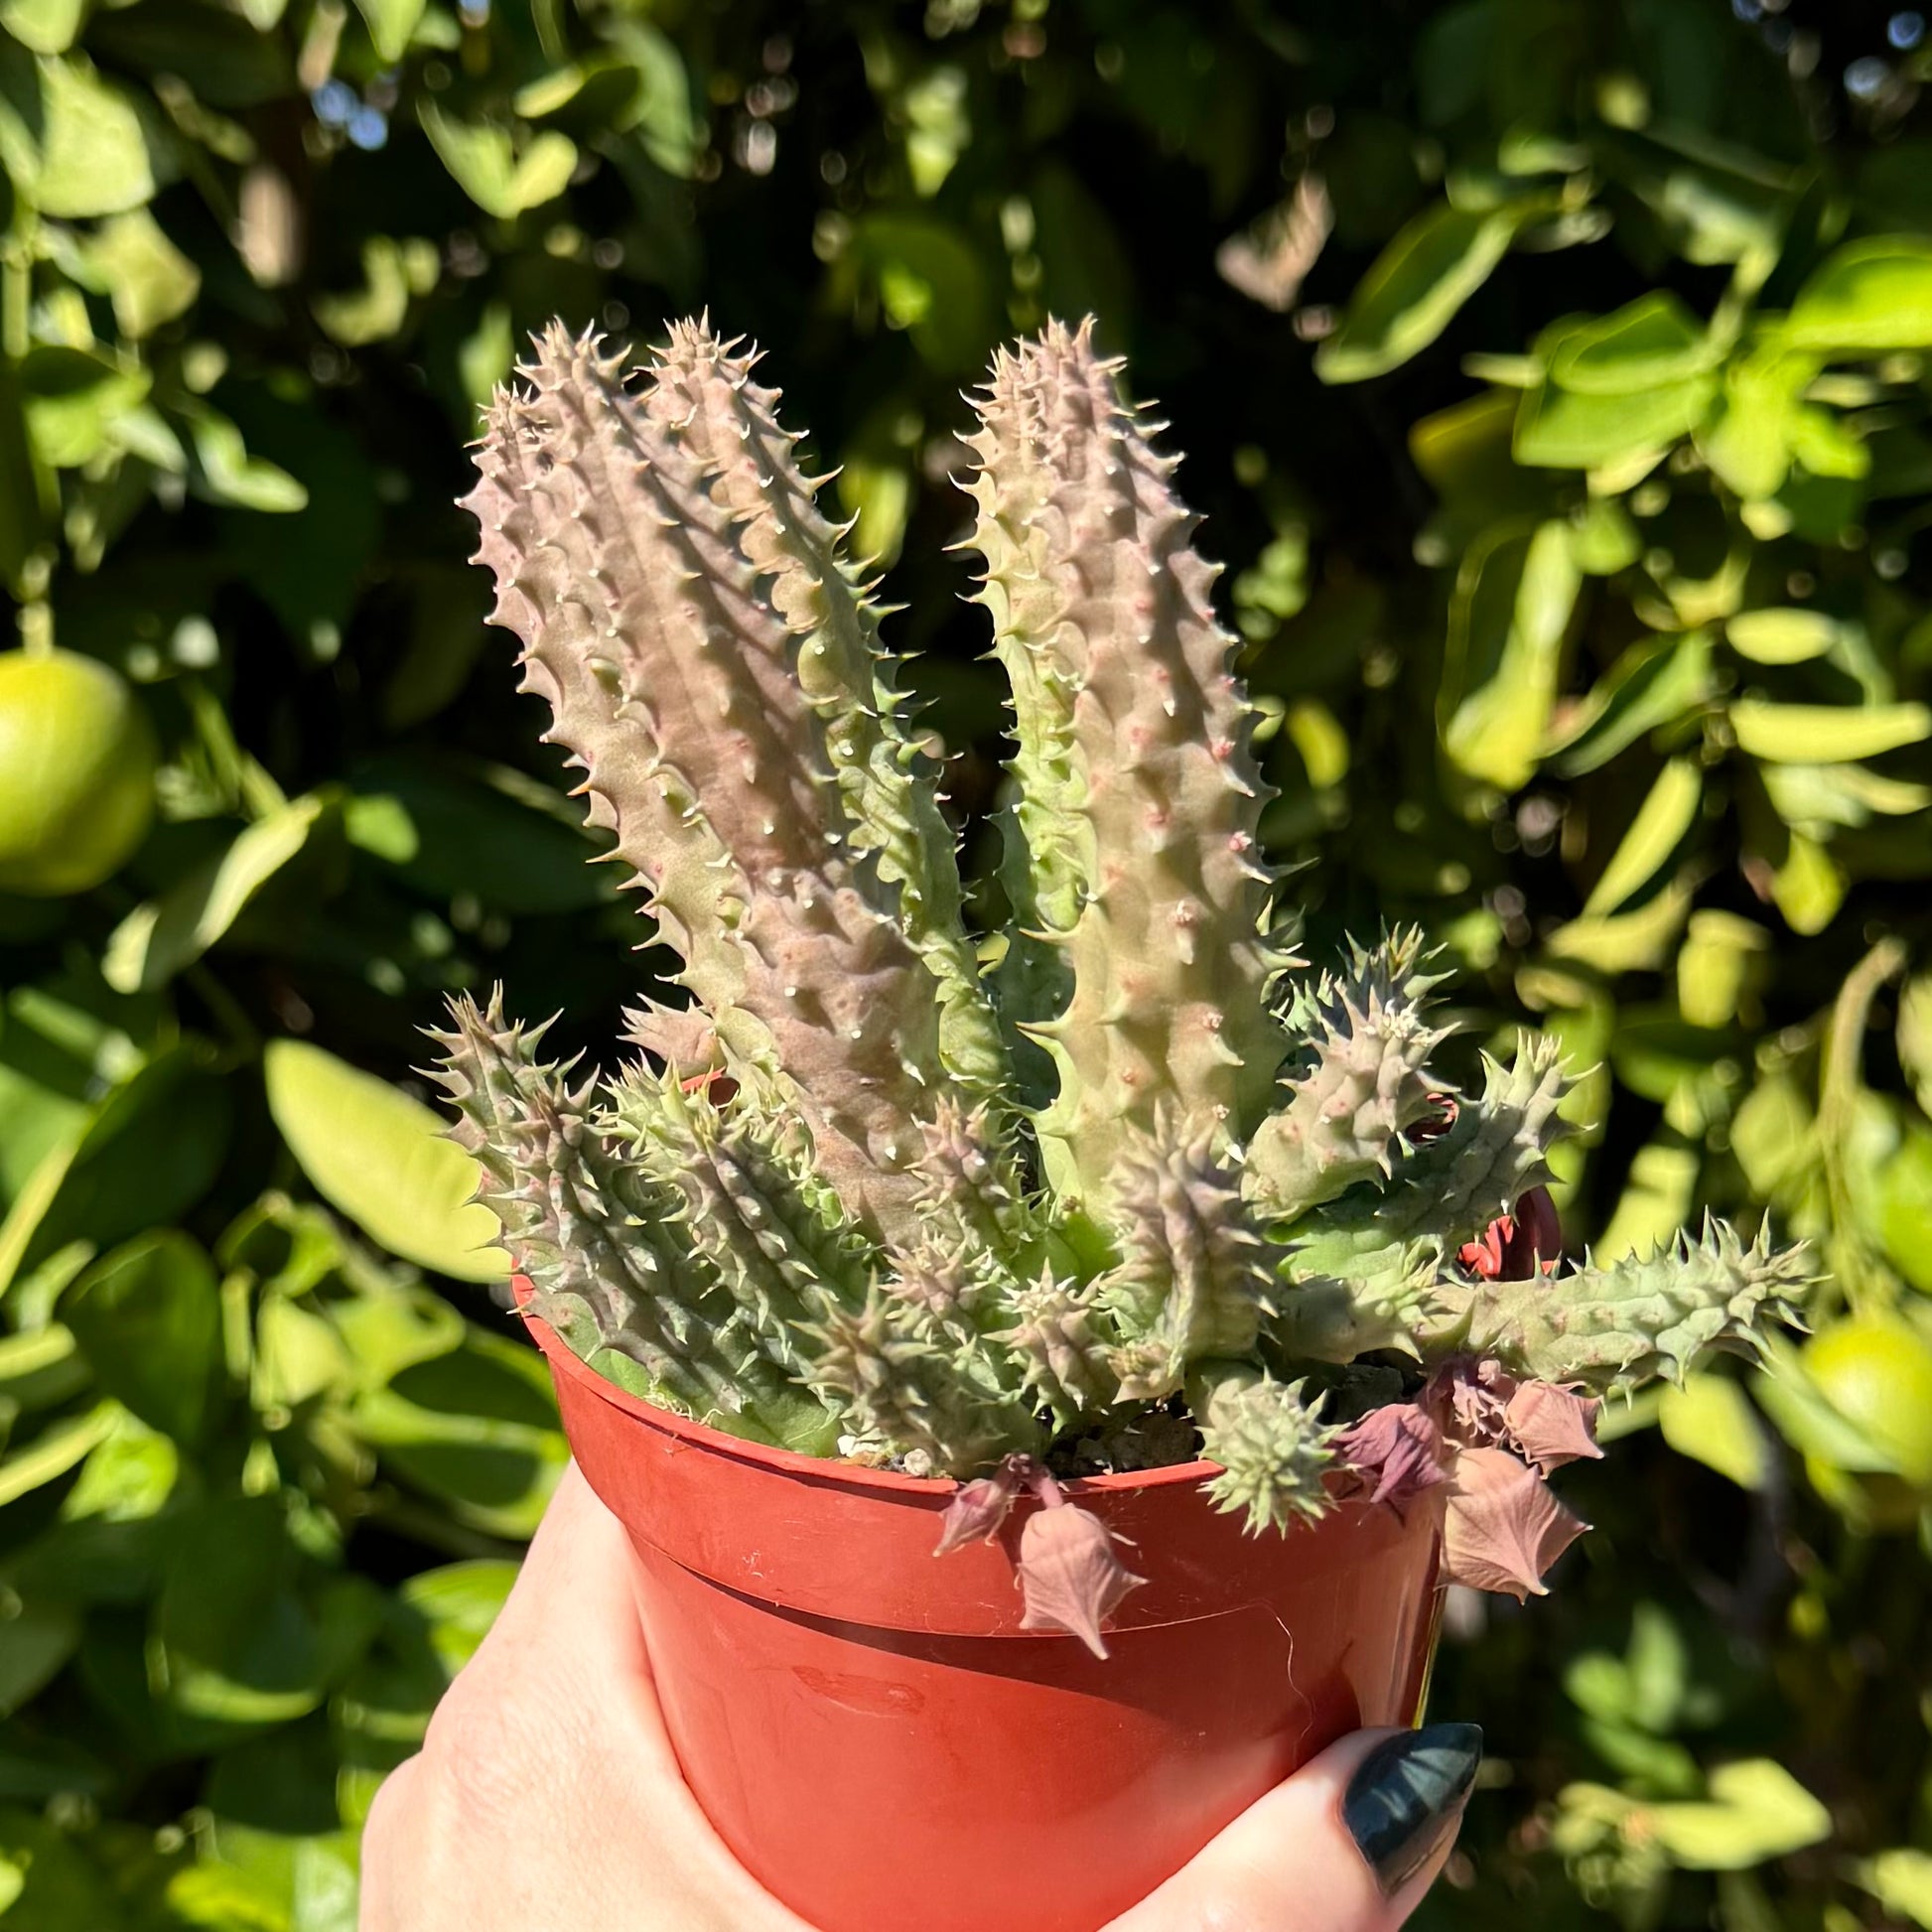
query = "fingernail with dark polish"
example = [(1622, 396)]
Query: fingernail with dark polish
[(1406, 1796)]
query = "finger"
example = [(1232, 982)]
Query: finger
[(381, 1854), (564, 1667), (1348, 1844), (574, 1602)]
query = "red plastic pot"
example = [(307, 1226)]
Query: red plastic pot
[(881, 1745)]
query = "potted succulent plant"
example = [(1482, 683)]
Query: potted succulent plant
[(943, 1312)]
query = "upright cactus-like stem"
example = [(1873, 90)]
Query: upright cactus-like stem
[(665, 597), (1614, 1328), (1197, 1275), (592, 1233), (740, 1183), (1361, 1085), (1138, 796), (885, 774)]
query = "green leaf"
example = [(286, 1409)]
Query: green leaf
[(309, 1882), (392, 23), (1656, 1197), (1814, 798), (36, 1640), (238, 1639), (1668, 812), (148, 278), (148, 1318), (931, 283), (1757, 1811), (1867, 298), (660, 109), (460, 1603), (476, 1430), (1654, 339), (1781, 637), (41, 1368), (1826, 447), (98, 1562), (1597, 1684), (1711, 1420), (395, 1329), (1657, 1665), (487, 355), (63, 1892), (1561, 428), (1718, 963), (392, 273), (487, 167), (1417, 285), (45, 26), (1664, 1767), (380, 826), (125, 1479), (878, 493), (212, 1898), (549, 92), (161, 937), (56, 1451), (485, 830), (381, 1159), (1901, 1881), (71, 398), (1809, 886), (1634, 941), (1604, 538), (939, 130), (1657, 1056), (28, 1208), (1915, 1037), (1771, 1134), (1902, 1207), (1810, 734), (273, 1787), (1748, 441), (298, 1356), (1464, 454), (119, 1171), (231, 476), (1655, 682), (1513, 602), (73, 143), (149, 1151)]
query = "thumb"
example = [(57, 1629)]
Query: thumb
[(1348, 1844)]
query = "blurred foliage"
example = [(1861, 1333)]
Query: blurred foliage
[(1555, 376)]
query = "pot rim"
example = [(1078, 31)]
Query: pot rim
[(818, 1469)]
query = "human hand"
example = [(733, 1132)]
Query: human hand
[(547, 1799)]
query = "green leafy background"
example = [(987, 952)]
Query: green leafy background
[(1554, 373)]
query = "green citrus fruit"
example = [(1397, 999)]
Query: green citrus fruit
[(1876, 1372), (77, 773)]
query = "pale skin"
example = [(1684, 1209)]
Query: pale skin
[(546, 1797)]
